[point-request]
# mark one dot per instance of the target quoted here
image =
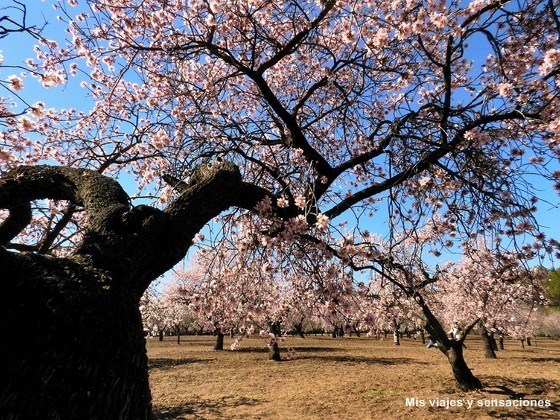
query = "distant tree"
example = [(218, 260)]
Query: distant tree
[(493, 288)]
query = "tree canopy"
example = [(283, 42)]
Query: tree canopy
[(330, 109)]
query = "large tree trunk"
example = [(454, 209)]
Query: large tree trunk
[(465, 379), (86, 356)]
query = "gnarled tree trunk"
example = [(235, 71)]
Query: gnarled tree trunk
[(461, 372), (86, 357), (452, 348)]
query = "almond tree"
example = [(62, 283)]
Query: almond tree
[(493, 288), (300, 111), (228, 291), (162, 312)]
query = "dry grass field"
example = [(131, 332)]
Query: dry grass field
[(348, 378)]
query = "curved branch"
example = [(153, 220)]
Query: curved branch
[(18, 218), (101, 197)]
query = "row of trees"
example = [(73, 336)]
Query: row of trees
[(298, 128), (233, 293)]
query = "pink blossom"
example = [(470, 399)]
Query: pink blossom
[(300, 201), (15, 83), (322, 221), (550, 61), (505, 89), (25, 124)]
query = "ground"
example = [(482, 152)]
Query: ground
[(347, 378)]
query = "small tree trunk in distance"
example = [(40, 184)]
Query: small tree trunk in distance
[(178, 335), (396, 338), (501, 342), (522, 341), (489, 352), (298, 329), (274, 351), (422, 336), (529, 341), (160, 335), (219, 340)]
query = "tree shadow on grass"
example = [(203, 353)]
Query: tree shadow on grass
[(542, 359), (241, 349), (203, 408), (363, 359), (536, 359), (314, 349), (170, 363), (527, 389)]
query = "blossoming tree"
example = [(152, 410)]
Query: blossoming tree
[(495, 289), (302, 112)]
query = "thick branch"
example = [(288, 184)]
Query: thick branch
[(102, 197), (17, 220), (165, 240), (249, 196)]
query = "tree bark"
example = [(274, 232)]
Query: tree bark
[(87, 356), (274, 351), (396, 338), (465, 379), (489, 352), (493, 342), (501, 342), (219, 340)]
